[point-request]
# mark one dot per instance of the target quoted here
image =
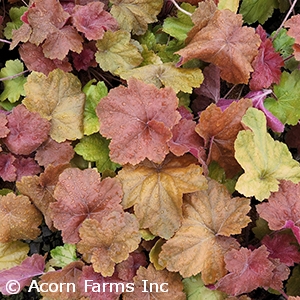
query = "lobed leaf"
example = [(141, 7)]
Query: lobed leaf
[(155, 191), (27, 130), (146, 116), (167, 75), (30, 267), (219, 130), (117, 52), (80, 194), (293, 25), (20, 218), (12, 254), (109, 240), (13, 87), (58, 98), (264, 160), (165, 281), (224, 42), (135, 15), (210, 217)]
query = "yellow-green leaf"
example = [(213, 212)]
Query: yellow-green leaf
[(12, 254), (264, 160), (135, 15), (229, 4), (57, 98), (162, 75), (117, 52)]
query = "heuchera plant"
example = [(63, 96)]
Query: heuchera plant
[(150, 140)]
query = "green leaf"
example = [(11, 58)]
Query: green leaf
[(15, 14), (117, 52), (217, 173), (257, 10), (4, 192), (229, 4), (94, 93), (195, 290), (95, 148), (261, 229), (264, 160), (13, 88), (154, 253), (178, 27), (63, 255), (286, 106), (293, 286), (162, 75), (12, 254)]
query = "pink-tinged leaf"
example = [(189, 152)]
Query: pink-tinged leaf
[(184, 112), (293, 24), (91, 285), (295, 229), (138, 119), (210, 88), (86, 58), (185, 139), (80, 195), (283, 246), (26, 167), (28, 130), (283, 208), (258, 98), (3, 128), (266, 64), (54, 153), (30, 267), (126, 269), (59, 43), (35, 60), (93, 20), (7, 169), (248, 271), (281, 272)]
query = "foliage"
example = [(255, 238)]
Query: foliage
[(146, 144)]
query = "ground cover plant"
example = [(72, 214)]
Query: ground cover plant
[(149, 149)]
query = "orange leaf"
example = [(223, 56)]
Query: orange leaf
[(40, 189), (225, 43), (209, 218), (219, 130), (109, 241), (150, 284), (156, 191), (19, 218)]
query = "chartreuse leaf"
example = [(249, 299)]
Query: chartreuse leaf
[(59, 99), (286, 105), (95, 148), (163, 75), (154, 252), (13, 87), (117, 52), (257, 10), (264, 160), (195, 290), (229, 4), (63, 255), (135, 15), (94, 93), (12, 254), (178, 27), (15, 14)]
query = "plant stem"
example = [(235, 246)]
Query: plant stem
[(13, 76), (181, 9), (284, 20), (5, 41)]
